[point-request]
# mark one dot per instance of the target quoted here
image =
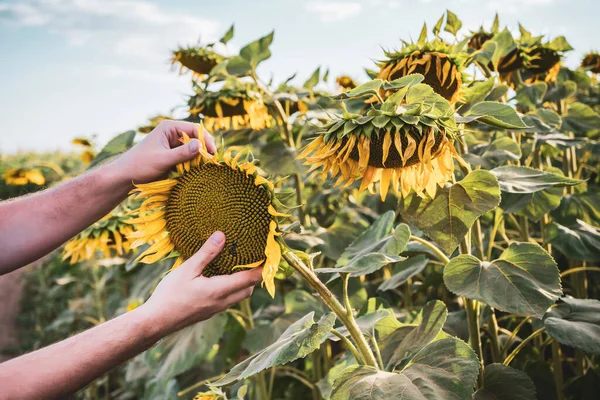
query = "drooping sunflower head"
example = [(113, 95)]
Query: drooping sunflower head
[(405, 143), (591, 62), (540, 61), (199, 60), (345, 82), (24, 176), (107, 236), (211, 193), (478, 38), (441, 65), (235, 106)]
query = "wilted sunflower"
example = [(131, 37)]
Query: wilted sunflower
[(211, 193), (107, 236), (478, 39), (152, 123), (88, 155), (406, 142), (439, 63), (199, 60), (591, 62), (235, 106), (23, 176), (345, 82)]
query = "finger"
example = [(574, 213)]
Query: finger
[(238, 296), (182, 153), (210, 142), (227, 284), (173, 131), (207, 253)]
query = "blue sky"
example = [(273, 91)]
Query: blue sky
[(73, 68)]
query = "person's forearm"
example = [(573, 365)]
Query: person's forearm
[(50, 374), (33, 226)]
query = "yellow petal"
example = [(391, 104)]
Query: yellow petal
[(273, 253)]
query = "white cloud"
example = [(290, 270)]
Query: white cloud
[(137, 28), (334, 11)]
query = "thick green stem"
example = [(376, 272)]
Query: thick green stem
[(335, 306), (439, 253), (478, 239), (377, 352), (472, 309), (349, 346), (557, 367), (516, 351), (493, 330)]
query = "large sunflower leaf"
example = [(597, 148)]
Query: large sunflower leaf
[(378, 245), (579, 241), (580, 119), (575, 323), (524, 280), (400, 346), (502, 382), (515, 179), (116, 146), (453, 24), (444, 369), (257, 51), (299, 340), (495, 114), (367, 88), (447, 218)]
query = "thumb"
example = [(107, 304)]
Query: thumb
[(206, 254), (184, 152)]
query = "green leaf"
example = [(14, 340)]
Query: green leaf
[(423, 36), (299, 340), (560, 44), (377, 246), (227, 36), (444, 369), (580, 119), (384, 326), (366, 323), (530, 97), (438, 26), (515, 179), (575, 323), (532, 205), (453, 24), (238, 66), (400, 346), (502, 382), (503, 149), (495, 24), (116, 146), (257, 51), (495, 114), (505, 43), (476, 92), (173, 354), (278, 159), (368, 88), (447, 218), (405, 270), (326, 384), (524, 280), (579, 241), (313, 80)]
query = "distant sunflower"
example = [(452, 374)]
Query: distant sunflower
[(591, 62), (438, 62), (478, 39), (211, 193), (24, 176), (541, 62), (88, 155), (345, 82), (199, 60), (402, 145), (107, 236), (152, 123), (232, 107)]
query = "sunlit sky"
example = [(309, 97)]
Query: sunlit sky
[(73, 68)]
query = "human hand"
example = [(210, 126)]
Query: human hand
[(184, 296), (160, 150)]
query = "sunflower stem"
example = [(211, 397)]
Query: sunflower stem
[(261, 384), (516, 351), (335, 306), (349, 346), (439, 253)]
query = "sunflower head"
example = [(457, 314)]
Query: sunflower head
[(477, 39), (440, 64), (107, 236), (591, 62), (211, 193), (199, 60), (345, 82), (24, 176), (235, 106), (405, 142)]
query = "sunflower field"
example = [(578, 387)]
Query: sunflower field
[(431, 231)]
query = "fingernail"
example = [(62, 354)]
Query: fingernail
[(217, 238), (194, 146)]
